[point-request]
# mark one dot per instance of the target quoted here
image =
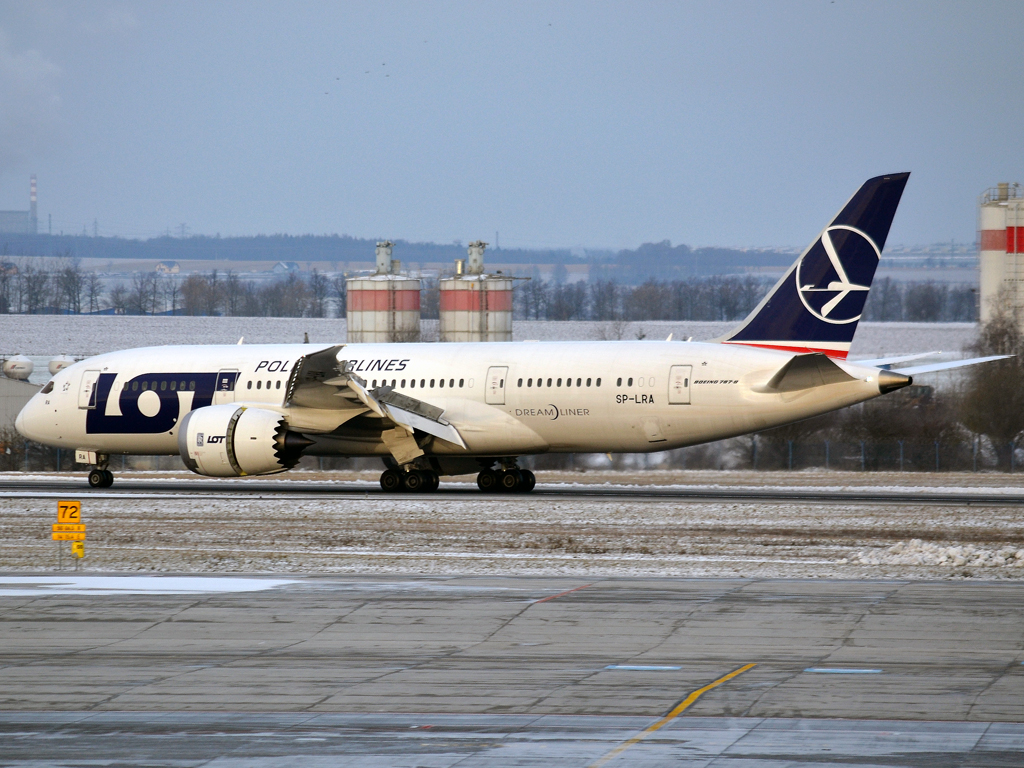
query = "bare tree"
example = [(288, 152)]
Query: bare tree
[(118, 299), (93, 291), (992, 403), (319, 290)]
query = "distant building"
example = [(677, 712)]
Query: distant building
[(1001, 246), (22, 222), (167, 267), (284, 267)]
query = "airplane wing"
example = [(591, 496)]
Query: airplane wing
[(916, 369), (319, 380)]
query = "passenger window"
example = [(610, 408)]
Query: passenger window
[(618, 382), (192, 386), (549, 382), (559, 382), (49, 387), (135, 386), (268, 383), (629, 382), (124, 388), (588, 382), (277, 384), (163, 386), (259, 384), (412, 383), (182, 386), (248, 385), (423, 383), (174, 385), (518, 385), (579, 382), (598, 382), (463, 381), (568, 382), (432, 383), (145, 386), (451, 382), (403, 383), (529, 382), (442, 383)]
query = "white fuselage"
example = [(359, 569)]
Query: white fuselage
[(504, 398)]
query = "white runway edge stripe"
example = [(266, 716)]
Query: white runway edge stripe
[(841, 671), (37, 586)]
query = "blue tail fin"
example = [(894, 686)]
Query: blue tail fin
[(817, 303)]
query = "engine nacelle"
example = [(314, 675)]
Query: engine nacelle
[(232, 441)]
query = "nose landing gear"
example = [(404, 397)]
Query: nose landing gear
[(100, 476)]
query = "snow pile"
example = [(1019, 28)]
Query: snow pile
[(917, 552)]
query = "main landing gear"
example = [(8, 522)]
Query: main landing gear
[(412, 481), (509, 480)]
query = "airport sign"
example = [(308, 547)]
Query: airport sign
[(68, 536), (69, 511)]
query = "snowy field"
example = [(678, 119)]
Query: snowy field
[(642, 536), (43, 336)]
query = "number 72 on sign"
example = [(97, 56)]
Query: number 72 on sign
[(69, 511)]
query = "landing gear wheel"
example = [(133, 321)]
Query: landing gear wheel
[(101, 478), (390, 480), (433, 481), (487, 481), (529, 481), (511, 480), (413, 481)]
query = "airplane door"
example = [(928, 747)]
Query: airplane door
[(87, 393), (495, 392), (679, 384), (224, 392)]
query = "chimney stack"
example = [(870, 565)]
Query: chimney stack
[(32, 212)]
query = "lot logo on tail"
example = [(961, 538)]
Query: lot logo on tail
[(834, 276)]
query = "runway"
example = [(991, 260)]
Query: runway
[(464, 488), (508, 671)]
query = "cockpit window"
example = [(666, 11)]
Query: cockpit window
[(48, 388)]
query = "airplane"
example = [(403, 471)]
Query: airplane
[(431, 409)]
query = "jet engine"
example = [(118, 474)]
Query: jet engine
[(232, 441)]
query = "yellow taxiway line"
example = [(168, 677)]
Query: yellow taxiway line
[(677, 710)]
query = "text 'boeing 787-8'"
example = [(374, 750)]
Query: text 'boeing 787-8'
[(448, 409)]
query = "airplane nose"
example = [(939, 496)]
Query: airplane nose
[(23, 421), (19, 422)]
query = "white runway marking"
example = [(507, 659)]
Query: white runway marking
[(35, 586)]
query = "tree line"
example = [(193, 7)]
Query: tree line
[(727, 298), (67, 289)]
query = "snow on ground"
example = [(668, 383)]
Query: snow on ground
[(646, 535)]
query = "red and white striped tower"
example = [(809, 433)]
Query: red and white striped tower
[(1001, 246), (476, 306), (385, 306)]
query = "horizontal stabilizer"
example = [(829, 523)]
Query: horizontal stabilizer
[(916, 369), (805, 371), (888, 362)]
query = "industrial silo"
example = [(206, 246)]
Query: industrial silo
[(384, 306), (476, 306), (1001, 246)]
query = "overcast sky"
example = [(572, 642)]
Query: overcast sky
[(557, 124)]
